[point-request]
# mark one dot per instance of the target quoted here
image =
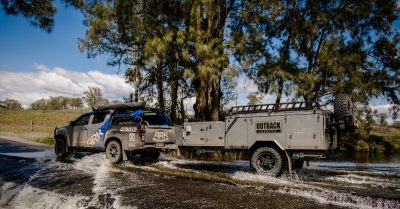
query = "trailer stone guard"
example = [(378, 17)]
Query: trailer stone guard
[(275, 137)]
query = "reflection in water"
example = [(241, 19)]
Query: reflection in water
[(375, 163)]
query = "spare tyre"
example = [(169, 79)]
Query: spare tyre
[(342, 105)]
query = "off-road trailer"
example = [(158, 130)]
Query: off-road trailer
[(273, 136)]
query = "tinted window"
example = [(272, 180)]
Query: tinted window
[(99, 117), (83, 120), (123, 121), (157, 119)]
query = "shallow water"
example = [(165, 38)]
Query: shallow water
[(89, 181)]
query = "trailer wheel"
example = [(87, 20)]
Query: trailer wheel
[(114, 152), (267, 160), (342, 105), (60, 148)]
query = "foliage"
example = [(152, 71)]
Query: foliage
[(57, 103), (40, 13), (11, 104), (255, 98), (308, 49), (372, 138), (46, 140), (94, 97), (319, 48)]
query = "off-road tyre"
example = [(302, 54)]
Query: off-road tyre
[(342, 105), (60, 148), (114, 152), (268, 161)]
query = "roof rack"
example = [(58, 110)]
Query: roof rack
[(121, 106), (290, 106)]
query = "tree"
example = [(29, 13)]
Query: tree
[(40, 13), (76, 103), (254, 98), (382, 119), (320, 47), (11, 104), (40, 104), (94, 97)]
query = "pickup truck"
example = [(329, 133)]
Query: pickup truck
[(121, 131)]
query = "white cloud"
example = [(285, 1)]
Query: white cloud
[(27, 87)]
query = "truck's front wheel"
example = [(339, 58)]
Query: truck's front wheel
[(267, 160), (114, 152), (60, 148)]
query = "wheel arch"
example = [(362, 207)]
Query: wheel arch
[(273, 144), (111, 139), (63, 137), (269, 143)]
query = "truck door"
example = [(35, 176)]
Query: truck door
[(95, 135), (80, 130)]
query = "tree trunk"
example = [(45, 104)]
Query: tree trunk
[(279, 93), (136, 86), (160, 90), (174, 99), (183, 114), (215, 100)]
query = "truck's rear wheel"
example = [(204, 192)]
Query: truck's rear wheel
[(114, 152), (267, 160), (60, 148)]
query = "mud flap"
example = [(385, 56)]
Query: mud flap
[(124, 156), (290, 161)]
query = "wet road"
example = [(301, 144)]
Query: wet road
[(88, 181)]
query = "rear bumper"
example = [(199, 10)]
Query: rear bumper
[(150, 147)]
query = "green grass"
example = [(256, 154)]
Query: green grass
[(46, 140), (44, 122)]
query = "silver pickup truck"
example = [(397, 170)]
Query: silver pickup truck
[(120, 130)]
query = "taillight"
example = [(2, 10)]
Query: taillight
[(142, 133)]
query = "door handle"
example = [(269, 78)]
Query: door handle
[(85, 129)]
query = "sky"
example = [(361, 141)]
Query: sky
[(35, 64)]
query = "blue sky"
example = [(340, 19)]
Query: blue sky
[(22, 45)]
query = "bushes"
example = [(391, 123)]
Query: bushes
[(46, 140), (387, 141)]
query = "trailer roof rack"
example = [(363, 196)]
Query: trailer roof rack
[(290, 106)]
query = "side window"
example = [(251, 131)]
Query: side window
[(83, 120), (99, 117)]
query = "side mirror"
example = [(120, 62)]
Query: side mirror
[(71, 123)]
